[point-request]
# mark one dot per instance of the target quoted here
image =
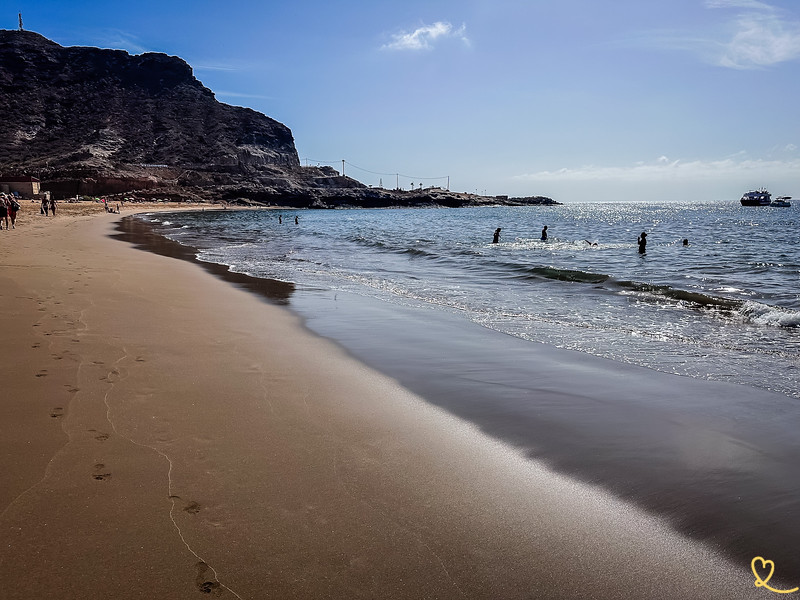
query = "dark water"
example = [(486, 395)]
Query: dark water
[(726, 307)]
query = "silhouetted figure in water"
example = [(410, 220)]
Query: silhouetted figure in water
[(544, 234), (642, 241), (496, 237), (685, 241), (296, 222), (280, 220)]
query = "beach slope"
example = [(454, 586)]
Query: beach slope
[(167, 434)]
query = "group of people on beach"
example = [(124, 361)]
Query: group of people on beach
[(641, 241), (9, 206), (48, 207)]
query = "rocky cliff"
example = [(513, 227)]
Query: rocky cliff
[(95, 121)]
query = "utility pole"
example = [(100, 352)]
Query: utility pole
[(448, 183), (20, 22), (342, 167)]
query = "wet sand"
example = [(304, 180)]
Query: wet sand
[(168, 434)]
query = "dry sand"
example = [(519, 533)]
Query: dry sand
[(166, 434)]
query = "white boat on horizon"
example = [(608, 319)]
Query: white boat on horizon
[(782, 201)]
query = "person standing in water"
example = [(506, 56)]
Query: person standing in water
[(496, 238), (544, 234), (642, 241)]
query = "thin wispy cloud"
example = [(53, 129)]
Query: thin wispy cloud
[(762, 38), (120, 40), (738, 4), (217, 67), (750, 35), (665, 169), (426, 37)]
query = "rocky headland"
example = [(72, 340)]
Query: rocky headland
[(91, 121)]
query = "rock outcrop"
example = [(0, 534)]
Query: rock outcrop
[(99, 122)]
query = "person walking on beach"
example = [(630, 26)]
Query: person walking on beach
[(13, 207), (496, 237), (45, 207), (53, 207), (642, 241), (544, 234), (3, 211)]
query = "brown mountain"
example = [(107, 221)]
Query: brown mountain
[(97, 121)]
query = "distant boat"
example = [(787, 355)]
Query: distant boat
[(782, 201), (757, 198)]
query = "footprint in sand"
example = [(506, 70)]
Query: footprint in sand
[(191, 507), (57, 412), (207, 585), (36, 345), (98, 474), (42, 373), (102, 437)]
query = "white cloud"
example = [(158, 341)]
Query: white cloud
[(424, 37), (761, 37), (665, 169), (755, 35)]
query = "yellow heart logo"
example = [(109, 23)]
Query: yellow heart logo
[(763, 582), (764, 565)]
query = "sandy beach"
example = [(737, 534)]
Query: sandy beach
[(167, 433)]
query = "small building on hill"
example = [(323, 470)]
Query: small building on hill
[(22, 185)]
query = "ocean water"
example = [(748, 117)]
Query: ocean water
[(726, 307)]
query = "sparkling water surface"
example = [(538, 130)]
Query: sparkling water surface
[(725, 307)]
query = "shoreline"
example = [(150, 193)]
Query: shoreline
[(685, 449), (169, 433)]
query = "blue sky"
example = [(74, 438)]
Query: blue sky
[(578, 100)]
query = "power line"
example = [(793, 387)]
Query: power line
[(396, 174), (321, 162)]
